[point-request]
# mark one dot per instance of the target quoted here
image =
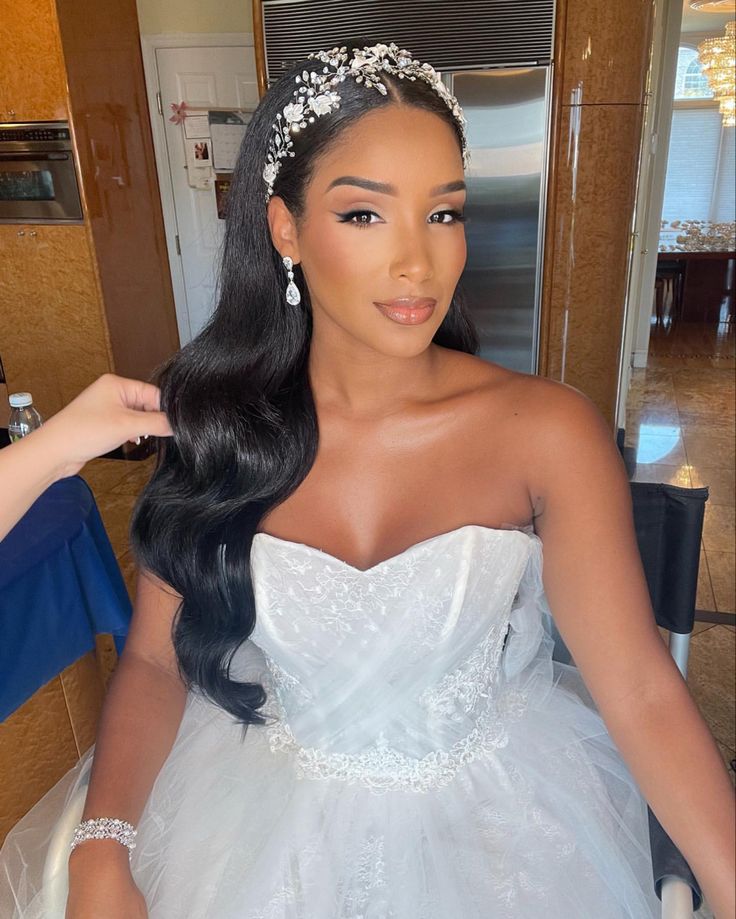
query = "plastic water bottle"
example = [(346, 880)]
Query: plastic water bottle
[(23, 416)]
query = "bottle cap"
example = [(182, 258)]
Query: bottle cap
[(20, 399)]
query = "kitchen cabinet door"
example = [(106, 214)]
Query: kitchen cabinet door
[(26, 346), (53, 336), (32, 74)]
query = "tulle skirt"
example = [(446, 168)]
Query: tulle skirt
[(550, 824)]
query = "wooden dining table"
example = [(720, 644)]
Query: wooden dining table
[(706, 284)]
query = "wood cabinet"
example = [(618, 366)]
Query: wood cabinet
[(46, 736), (32, 74), (53, 335), (109, 112), (80, 300)]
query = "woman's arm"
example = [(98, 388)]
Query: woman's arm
[(27, 468), (140, 719), (597, 591), (110, 411)]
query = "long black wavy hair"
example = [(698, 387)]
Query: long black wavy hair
[(239, 400)]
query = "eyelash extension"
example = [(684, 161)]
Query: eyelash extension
[(456, 215), (349, 215)]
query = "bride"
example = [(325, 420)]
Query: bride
[(337, 696)]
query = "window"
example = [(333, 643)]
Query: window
[(699, 188), (690, 82), (697, 185)]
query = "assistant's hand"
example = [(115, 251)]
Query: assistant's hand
[(110, 411), (103, 416)]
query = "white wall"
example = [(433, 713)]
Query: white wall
[(167, 16)]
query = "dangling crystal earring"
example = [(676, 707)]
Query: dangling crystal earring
[(293, 297)]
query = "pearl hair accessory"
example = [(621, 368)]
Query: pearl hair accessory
[(315, 94)]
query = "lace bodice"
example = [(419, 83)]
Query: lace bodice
[(390, 676)]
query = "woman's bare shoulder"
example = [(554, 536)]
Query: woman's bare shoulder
[(556, 440), (535, 416), (537, 409), (538, 396), (542, 400)]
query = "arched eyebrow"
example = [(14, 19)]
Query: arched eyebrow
[(383, 188)]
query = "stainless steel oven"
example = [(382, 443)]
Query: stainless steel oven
[(38, 181)]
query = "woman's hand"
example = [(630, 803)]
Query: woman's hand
[(101, 883), (110, 411), (117, 898)]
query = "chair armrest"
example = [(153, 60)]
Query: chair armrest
[(55, 872), (668, 862), (677, 899)]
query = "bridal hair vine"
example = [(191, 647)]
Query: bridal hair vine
[(315, 94)]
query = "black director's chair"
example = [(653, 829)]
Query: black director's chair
[(669, 527)]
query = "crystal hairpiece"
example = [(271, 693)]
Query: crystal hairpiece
[(315, 94)]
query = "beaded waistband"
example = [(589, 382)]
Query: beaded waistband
[(381, 768)]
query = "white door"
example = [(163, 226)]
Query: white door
[(203, 77)]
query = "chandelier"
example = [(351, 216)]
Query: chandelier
[(718, 60), (714, 6)]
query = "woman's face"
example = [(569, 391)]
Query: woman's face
[(381, 234)]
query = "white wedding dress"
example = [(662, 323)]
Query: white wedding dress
[(427, 760)]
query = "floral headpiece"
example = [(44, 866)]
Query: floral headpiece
[(315, 94)]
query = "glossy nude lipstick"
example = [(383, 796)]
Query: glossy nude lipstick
[(407, 310)]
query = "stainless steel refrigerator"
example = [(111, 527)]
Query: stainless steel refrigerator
[(508, 113), (496, 56)]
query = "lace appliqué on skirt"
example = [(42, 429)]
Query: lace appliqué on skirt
[(381, 767)]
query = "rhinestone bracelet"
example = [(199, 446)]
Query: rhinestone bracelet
[(105, 828)]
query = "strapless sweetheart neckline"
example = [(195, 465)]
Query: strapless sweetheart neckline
[(527, 531)]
